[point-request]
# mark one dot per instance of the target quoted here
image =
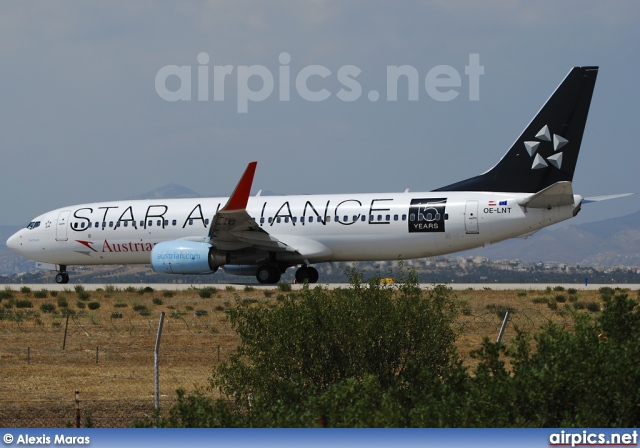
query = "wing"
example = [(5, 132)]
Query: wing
[(232, 229)]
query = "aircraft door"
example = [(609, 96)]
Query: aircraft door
[(471, 217), (62, 225)]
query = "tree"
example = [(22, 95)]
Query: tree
[(359, 340)]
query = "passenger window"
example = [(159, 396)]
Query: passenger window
[(412, 217), (363, 218), (126, 223), (395, 217), (191, 222), (110, 223), (261, 220), (270, 220), (388, 218), (206, 222), (379, 217), (286, 220), (278, 220), (166, 222), (159, 223), (174, 222), (150, 223), (404, 217), (75, 225), (294, 219), (328, 219), (310, 218)]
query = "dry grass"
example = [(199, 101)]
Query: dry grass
[(39, 392)]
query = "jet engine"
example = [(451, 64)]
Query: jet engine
[(186, 257)]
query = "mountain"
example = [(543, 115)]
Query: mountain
[(610, 242), (169, 191)]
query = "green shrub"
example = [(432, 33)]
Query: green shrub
[(522, 293), (558, 288), (208, 292), (47, 307), (139, 308), (579, 305), (201, 312), (84, 295), (116, 315), (24, 303), (120, 305), (560, 298), (167, 293), (6, 293), (62, 302), (53, 293), (81, 304), (67, 312), (130, 289), (219, 308), (189, 308), (540, 300), (572, 291), (230, 288), (78, 288), (157, 301), (267, 293), (42, 294), (284, 286), (93, 305), (552, 304), (594, 307), (110, 288), (25, 290), (249, 288), (147, 289), (144, 312)]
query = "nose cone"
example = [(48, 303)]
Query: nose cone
[(15, 242)]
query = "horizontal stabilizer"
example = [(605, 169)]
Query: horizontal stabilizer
[(560, 193), (605, 198)]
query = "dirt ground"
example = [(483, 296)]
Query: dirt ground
[(108, 352)]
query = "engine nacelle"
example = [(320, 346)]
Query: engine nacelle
[(186, 257)]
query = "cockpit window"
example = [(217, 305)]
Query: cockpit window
[(33, 224)]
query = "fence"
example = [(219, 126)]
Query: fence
[(111, 364)]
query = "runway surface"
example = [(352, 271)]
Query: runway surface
[(241, 286)]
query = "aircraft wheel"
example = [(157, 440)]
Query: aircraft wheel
[(313, 274), (307, 273), (62, 277), (268, 274)]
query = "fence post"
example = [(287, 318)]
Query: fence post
[(77, 408), (504, 325), (156, 365), (64, 341), (28, 355), (96, 355), (218, 353)]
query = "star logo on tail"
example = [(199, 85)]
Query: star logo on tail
[(532, 147)]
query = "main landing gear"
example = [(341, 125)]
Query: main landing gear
[(270, 274), (62, 276)]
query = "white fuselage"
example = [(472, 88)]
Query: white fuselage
[(357, 227)]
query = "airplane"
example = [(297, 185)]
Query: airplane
[(528, 189)]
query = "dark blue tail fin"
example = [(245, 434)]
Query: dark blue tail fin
[(547, 150)]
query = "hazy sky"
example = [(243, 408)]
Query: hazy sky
[(81, 118)]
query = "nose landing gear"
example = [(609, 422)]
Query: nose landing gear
[(62, 277)]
